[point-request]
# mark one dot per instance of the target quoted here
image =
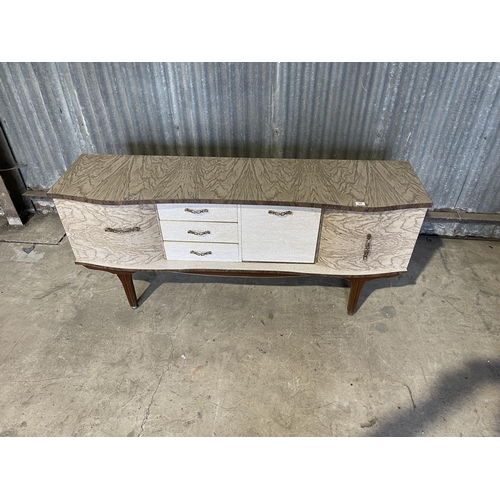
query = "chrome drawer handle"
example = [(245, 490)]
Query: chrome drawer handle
[(280, 214), (196, 211), (126, 230), (198, 233), (201, 254), (368, 246)]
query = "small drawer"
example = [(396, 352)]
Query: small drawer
[(180, 250), (218, 232), (198, 212)]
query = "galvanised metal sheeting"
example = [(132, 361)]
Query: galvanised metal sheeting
[(444, 118)]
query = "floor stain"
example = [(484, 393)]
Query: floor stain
[(388, 311), (370, 423), (8, 433), (199, 368), (381, 327)]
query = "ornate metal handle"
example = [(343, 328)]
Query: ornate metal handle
[(118, 230), (198, 233), (196, 211), (368, 245), (280, 214), (201, 254)]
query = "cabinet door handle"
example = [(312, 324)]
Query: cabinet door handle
[(125, 230), (201, 254), (368, 246), (280, 214), (196, 211), (198, 233)]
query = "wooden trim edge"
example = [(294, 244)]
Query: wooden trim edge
[(243, 202), (242, 274)]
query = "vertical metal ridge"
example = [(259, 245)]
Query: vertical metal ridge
[(444, 118)]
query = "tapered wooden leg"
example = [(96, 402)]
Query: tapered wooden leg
[(356, 286), (128, 286)]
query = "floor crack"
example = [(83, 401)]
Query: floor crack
[(411, 397), (233, 408), (150, 404), (193, 300)]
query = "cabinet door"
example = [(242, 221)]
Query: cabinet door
[(111, 235), (279, 234), (370, 241)]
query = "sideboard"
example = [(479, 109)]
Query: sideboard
[(356, 220)]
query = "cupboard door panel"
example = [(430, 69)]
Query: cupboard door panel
[(279, 234), (123, 235), (369, 241)]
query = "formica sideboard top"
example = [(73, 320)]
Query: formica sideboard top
[(336, 184)]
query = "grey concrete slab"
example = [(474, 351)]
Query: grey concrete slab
[(43, 229), (206, 356)]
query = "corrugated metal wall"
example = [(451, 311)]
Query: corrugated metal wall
[(444, 118)]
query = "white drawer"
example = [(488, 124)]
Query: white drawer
[(198, 212), (219, 232), (279, 234), (180, 250)]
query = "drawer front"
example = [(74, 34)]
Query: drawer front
[(198, 212), (279, 234), (376, 241), (180, 250), (113, 235), (219, 232)]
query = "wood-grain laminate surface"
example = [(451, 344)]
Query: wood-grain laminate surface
[(121, 236), (369, 243), (337, 184)]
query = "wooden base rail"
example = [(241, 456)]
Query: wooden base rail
[(357, 282)]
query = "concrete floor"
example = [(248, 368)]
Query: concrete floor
[(237, 357)]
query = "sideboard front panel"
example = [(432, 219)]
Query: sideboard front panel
[(369, 242), (112, 235)]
